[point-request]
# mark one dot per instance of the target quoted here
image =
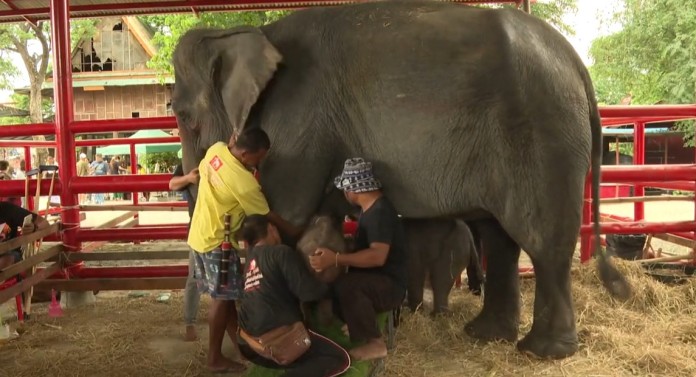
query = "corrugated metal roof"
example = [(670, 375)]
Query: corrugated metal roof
[(17, 10)]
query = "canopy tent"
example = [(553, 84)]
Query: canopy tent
[(141, 148)]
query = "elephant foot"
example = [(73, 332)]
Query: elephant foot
[(548, 346), (488, 328)]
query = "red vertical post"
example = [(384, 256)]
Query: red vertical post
[(27, 166), (693, 247), (134, 170), (586, 240), (65, 143), (639, 159)]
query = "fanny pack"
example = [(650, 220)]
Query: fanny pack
[(283, 345)]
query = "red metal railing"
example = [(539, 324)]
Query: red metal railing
[(65, 129)]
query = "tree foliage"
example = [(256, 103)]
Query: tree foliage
[(551, 12), (32, 43), (652, 58), (169, 28)]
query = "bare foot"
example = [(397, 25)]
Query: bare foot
[(344, 328), (190, 335), (225, 365), (374, 349)]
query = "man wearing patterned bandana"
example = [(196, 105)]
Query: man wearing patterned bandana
[(376, 278)]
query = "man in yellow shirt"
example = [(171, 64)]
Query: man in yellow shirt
[(227, 186)]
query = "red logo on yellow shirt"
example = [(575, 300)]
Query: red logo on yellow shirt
[(216, 163)]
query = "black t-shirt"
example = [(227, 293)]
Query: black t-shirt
[(381, 223), (277, 280), (13, 215), (179, 172)]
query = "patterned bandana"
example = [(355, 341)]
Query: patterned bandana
[(357, 177)]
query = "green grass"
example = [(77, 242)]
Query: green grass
[(333, 332)]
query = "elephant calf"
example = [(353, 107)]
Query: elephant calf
[(323, 232), (441, 249)]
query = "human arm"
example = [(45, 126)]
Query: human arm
[(179, 182), (13, 215), (284, 226), (38, 224), (374, 256), (302, 283), (380, 229), (253, 202)]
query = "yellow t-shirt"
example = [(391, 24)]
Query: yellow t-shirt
[(226, 186)]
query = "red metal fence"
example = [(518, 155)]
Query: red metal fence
[(69, 185)]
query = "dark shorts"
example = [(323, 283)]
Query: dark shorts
[(208, 278)]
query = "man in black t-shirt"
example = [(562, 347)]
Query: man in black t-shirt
[(13, 216), (376, 278), (192, 298)]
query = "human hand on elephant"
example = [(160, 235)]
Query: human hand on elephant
[(193, 176), (323, 258)]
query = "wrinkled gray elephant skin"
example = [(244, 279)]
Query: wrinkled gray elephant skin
[(487, 115), (440, 249)]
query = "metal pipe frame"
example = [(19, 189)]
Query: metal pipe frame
[(639, 159), (144, 233), (26, 143), (125, 141), (121, 8), (65, 128), (63, 96)]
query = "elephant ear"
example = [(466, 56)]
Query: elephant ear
[(219, 75), (248, 64)]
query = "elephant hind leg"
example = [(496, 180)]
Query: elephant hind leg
[(553, 334), (500, 316)]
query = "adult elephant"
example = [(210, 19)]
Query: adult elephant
[(483, 114)]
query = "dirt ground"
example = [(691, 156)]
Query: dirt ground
[(132, 333)]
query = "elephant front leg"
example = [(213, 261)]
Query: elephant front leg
[(500, 316), (442, 285), (442, 276), (553, 334)]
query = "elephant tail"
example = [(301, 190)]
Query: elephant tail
[(611, 278)]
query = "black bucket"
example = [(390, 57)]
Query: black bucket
[(626, 246)]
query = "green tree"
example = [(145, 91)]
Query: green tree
[(32, 42), (169, 28), (652, 58), (551, 12), (21, 102)]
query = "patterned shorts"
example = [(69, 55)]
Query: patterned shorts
[(207, 275)]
